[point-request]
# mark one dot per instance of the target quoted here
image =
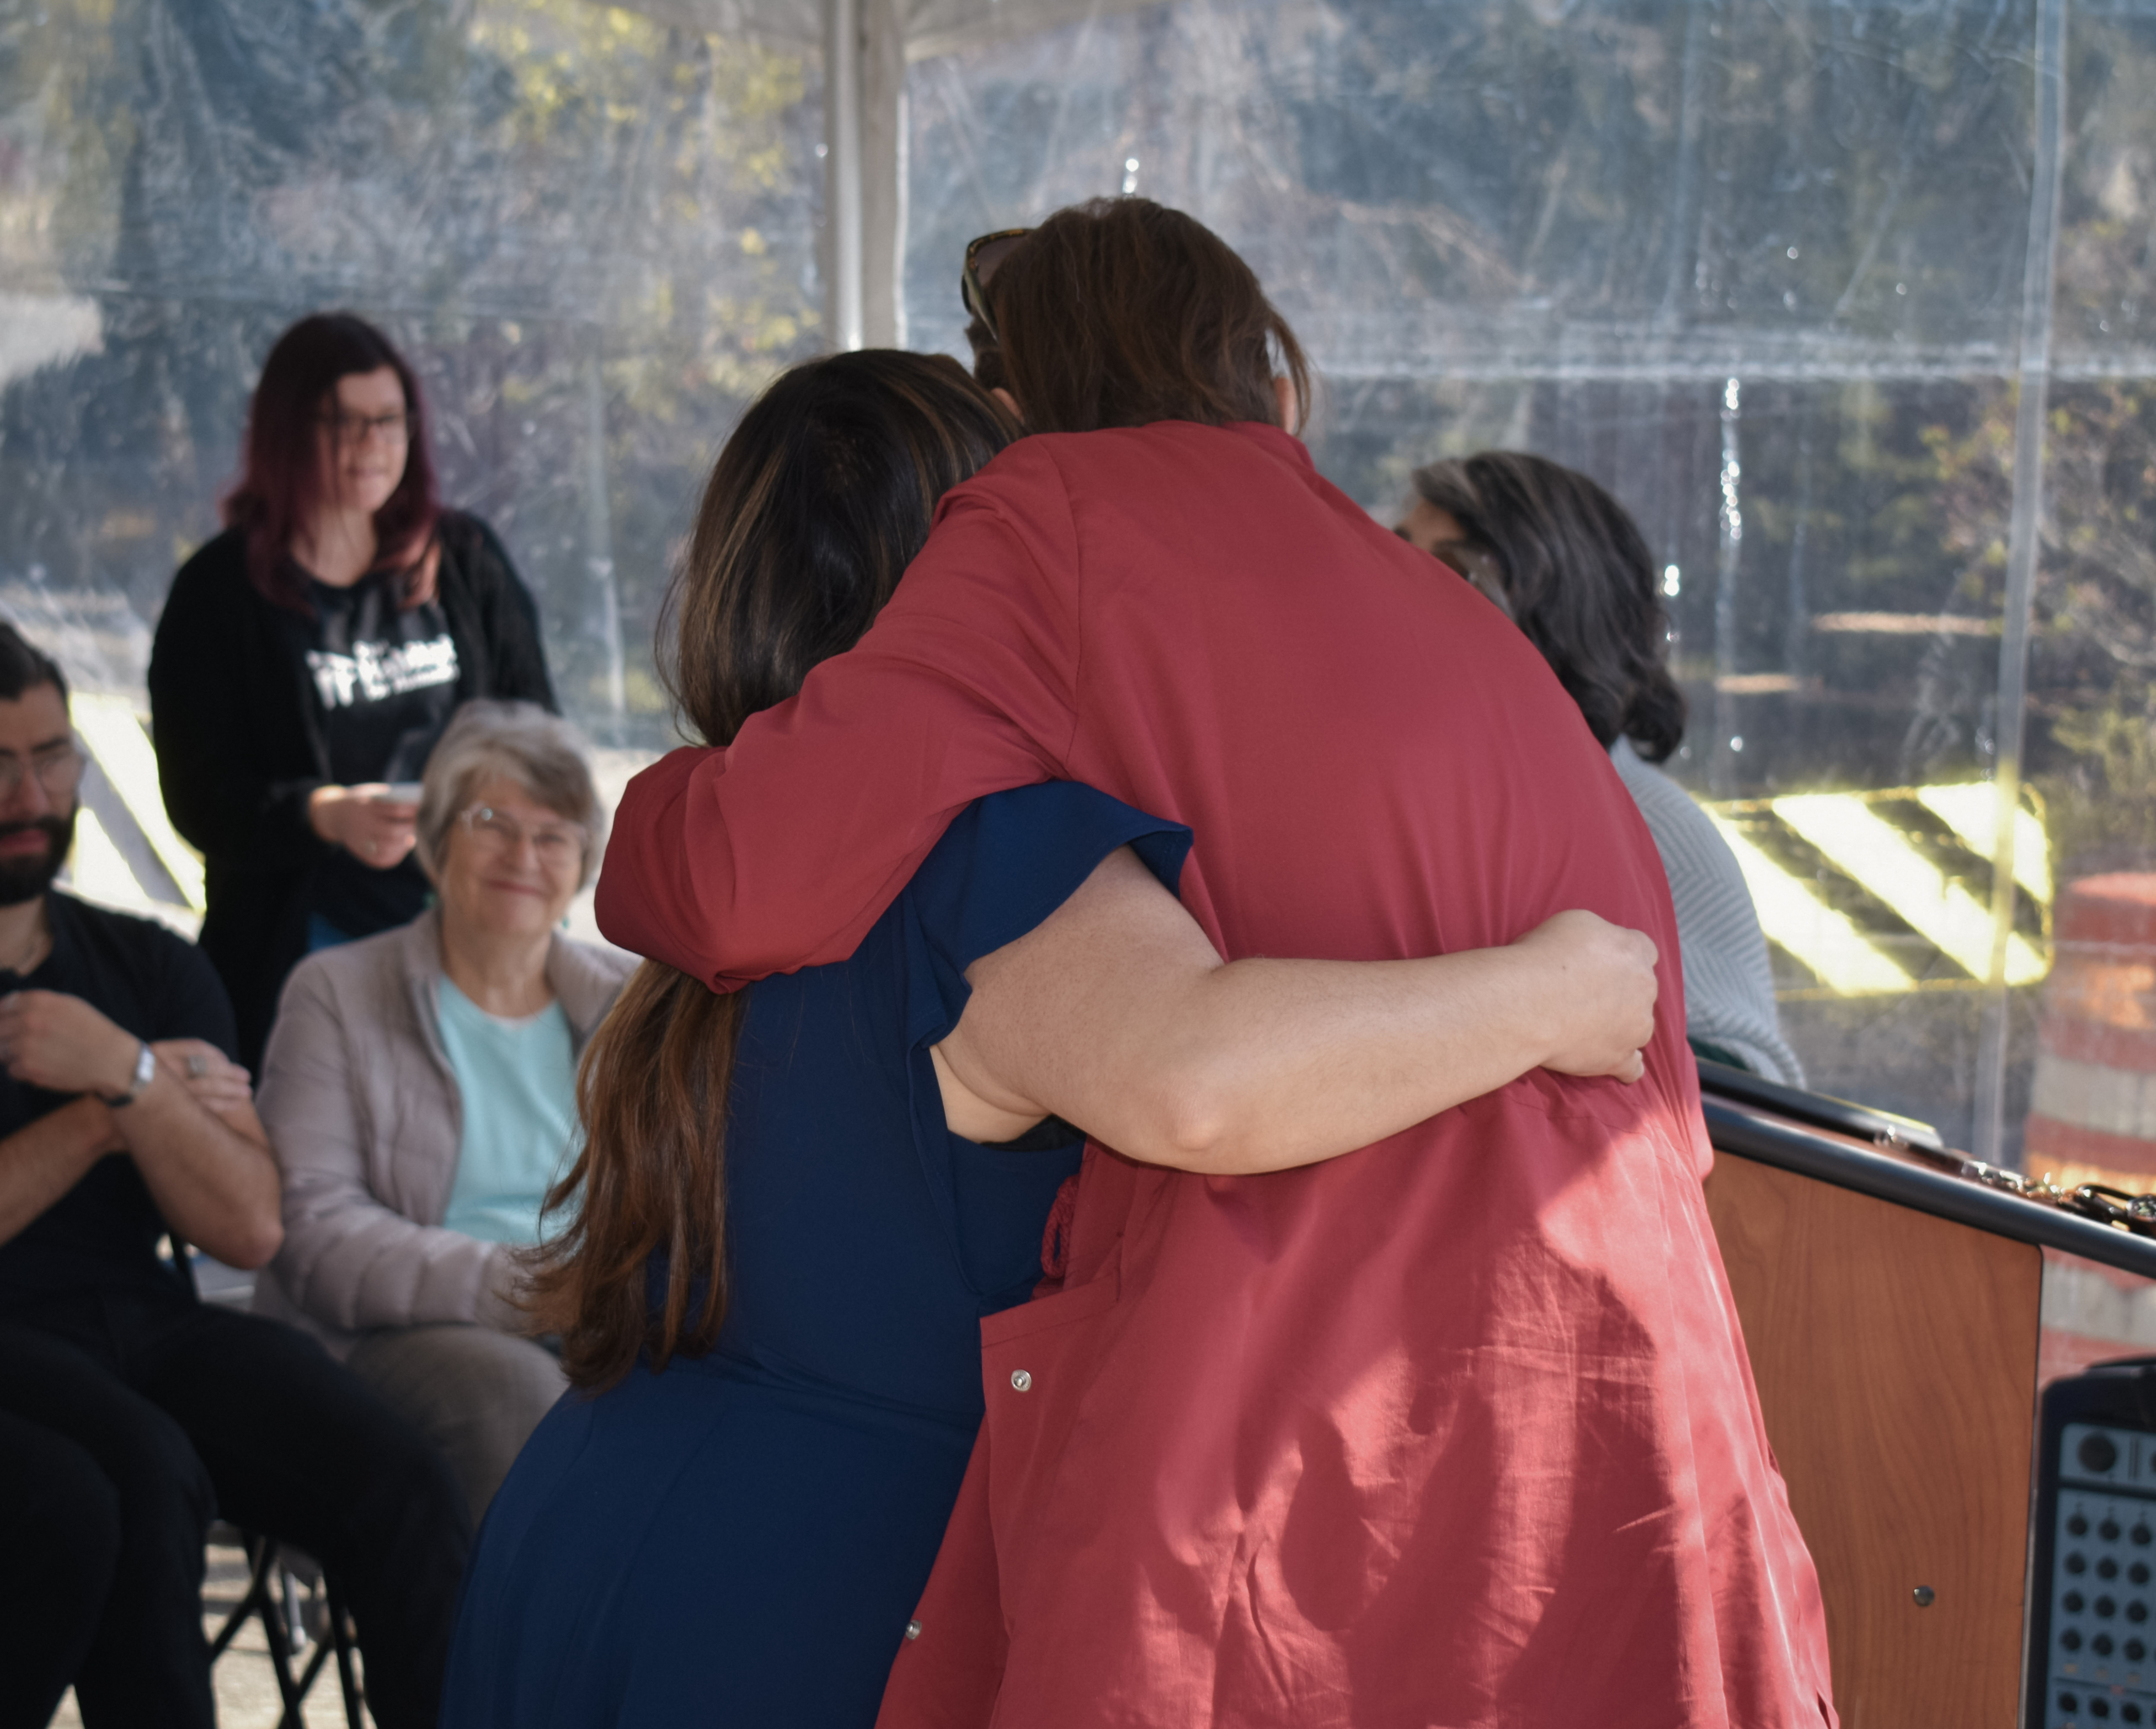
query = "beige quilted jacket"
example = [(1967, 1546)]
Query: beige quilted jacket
[(363, 1111)]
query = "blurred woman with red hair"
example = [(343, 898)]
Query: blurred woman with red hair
[(309, 656)]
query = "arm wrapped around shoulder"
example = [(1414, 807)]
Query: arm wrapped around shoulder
[(781, 852)]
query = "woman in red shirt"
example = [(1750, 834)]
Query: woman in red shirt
[(1457, 1428)]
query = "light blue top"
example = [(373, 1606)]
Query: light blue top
[(517, 1080)]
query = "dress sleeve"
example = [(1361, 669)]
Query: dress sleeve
[(1003, 868), (781, 850)]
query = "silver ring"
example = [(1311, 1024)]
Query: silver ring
[(197, 1067)]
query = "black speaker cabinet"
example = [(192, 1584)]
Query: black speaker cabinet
[(2092, 1556)]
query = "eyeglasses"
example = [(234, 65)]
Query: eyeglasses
[(1480, 566), (984, 257), (356, 429), (559, 845), (58, 770)]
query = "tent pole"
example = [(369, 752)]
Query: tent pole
[(842, 309), (882, 175), (2024, 526)]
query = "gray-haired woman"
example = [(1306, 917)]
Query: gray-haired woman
[(420, 1089)]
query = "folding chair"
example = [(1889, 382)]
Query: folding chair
[(273, 1594)]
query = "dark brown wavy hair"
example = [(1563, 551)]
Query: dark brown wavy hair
[(819, 500), (1578, 579), (1122, 311), (282, 484)]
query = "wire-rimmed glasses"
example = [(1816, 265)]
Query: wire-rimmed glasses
[(559, 845), (353, 430), (58, 769)]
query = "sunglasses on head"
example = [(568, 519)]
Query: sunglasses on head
[(984, 257)]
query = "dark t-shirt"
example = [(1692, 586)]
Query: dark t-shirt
[(103, 1233), (383, 679)]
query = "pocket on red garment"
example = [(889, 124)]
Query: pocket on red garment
[(1044, 1314), (1039, 1362)]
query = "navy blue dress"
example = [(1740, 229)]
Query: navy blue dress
[(740, 1540)]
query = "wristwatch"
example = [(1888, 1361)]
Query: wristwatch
[(145, 1071)]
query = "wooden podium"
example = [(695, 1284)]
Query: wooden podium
[(1892, 1311)]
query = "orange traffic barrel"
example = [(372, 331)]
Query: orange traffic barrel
[(2092, 1115)]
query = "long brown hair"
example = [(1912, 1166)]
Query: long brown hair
[(819, 500), (1122, 311), (282, 485)]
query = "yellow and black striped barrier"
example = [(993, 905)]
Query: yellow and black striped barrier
[(1870, 891)]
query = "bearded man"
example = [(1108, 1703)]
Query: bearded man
[(130, 1415)]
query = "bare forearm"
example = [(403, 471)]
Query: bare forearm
[(215, 1182), (1268, 1064), (1117, 1014), (41, 1161)]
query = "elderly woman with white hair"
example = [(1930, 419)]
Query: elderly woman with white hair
[(419, 1090)]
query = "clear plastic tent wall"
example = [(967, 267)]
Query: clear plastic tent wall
[(1849, 304), (594, 232)]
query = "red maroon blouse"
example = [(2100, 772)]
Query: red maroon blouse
[(1456, 1430)]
